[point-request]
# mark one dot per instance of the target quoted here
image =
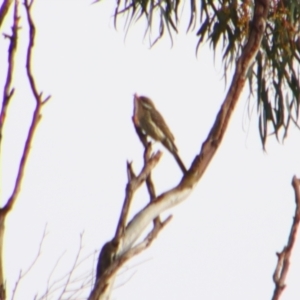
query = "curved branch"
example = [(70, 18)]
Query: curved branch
[(120, 249)]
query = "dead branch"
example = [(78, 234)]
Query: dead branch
[(36, 114), (133, 184), (107, 254), (283, 257), (8, 90)]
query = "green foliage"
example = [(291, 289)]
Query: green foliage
[(277, 70), (274, 76)]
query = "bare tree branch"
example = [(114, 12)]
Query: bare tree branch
[(35, 118), (284, 256), (133, 184), (37, 112), (7, 94), (107, 254), (8, 91)]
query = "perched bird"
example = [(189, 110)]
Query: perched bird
[(147, 118)]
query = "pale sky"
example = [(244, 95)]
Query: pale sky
[(222, 241)]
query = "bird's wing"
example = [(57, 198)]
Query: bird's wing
[(158, 119)]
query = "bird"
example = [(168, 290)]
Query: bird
[(151, 122)]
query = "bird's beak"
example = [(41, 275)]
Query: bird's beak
[(136, 98), (135, 109)]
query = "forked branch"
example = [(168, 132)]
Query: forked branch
[(8, 92)]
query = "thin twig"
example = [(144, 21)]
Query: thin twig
[(64, 282), (73, 268), (51, 274), (23, 274)]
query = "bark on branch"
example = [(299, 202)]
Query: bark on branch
[(284, 256)]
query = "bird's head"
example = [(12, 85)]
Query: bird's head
[(142, 102)]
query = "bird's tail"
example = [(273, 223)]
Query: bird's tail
[(179, 161)]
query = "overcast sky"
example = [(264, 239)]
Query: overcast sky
[(222, 241)]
